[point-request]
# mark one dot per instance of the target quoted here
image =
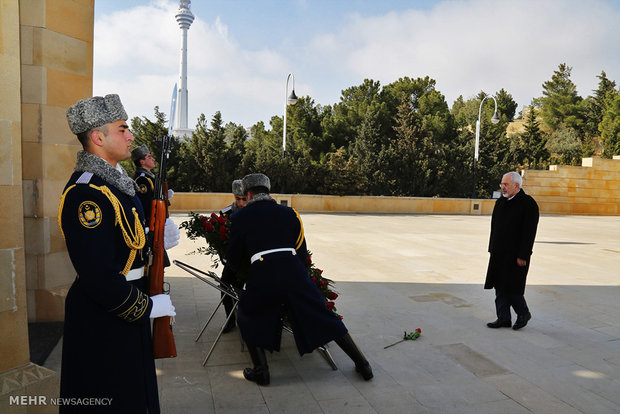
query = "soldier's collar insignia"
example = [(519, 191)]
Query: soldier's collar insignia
[(89, 214), (143, 188)]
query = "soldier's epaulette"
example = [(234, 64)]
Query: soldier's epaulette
[(133, 235), (300, 238), (143, 187), (226, 210), (84, 178)]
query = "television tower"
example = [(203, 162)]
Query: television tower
[(184, 18)]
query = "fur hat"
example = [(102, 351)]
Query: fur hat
[(237, 188), (139, 153), (256, 180), (94, 112)]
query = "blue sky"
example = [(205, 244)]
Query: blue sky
[(241, 51)]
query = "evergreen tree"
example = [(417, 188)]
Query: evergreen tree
[(610, 125), (594, 108), (532, 153), (506, 105), (264, 153), (235, 139), (341, 175), (206, 152), (564, 145), (370, 153), (561, 103)]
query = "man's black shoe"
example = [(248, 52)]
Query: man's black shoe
[(365, 371), (522, 321), (258, 375), (500, 324)]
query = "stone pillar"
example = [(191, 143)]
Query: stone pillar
[(57, 66), (46, 60)]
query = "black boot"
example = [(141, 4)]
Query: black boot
[(361, 364), (260, 373), (228, 307)]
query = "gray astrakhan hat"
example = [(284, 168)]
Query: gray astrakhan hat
[(139, 153), (237, 188), (256, 180), (94, 112)]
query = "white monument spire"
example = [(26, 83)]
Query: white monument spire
[(184, 18)]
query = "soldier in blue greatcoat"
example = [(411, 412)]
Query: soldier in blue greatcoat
[(107, 348), (144, 177), (229, 278), (270, 237)]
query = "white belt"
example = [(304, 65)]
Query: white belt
[(259, 255), (135, 274)]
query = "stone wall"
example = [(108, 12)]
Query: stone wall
[(56, 70), (13, 314), (202, 202), (46, 58), (593, 188)]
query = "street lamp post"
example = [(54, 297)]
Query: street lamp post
[(494, 120), (288, 100)]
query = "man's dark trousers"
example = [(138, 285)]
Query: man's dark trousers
[(503, 302)]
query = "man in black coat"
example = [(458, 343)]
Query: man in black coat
[(107, 348), (513, 230), (271, 237)]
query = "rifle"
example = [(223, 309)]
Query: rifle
[(163, 340)]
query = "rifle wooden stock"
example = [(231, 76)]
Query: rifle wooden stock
[(163, 339)]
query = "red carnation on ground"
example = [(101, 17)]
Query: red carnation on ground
[(330, 305), (332, 295), (208, 226)]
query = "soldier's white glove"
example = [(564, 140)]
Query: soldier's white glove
[(170, 194), (171, 234), (162, 306)]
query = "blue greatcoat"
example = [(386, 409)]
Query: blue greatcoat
[(279, 283), (107, 348), (146, 193)]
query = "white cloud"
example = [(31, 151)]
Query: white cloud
[(465, 45), (466, 48)]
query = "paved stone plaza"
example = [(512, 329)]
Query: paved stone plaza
[(402, 272)]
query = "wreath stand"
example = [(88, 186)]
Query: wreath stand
[(234, 294)]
